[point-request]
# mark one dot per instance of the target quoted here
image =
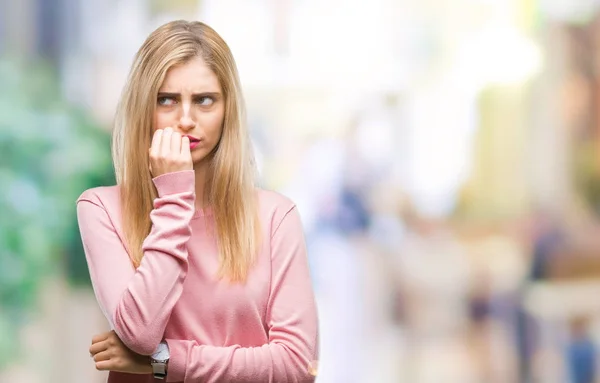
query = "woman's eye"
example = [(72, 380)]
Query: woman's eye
[(166, 101), (205, 101)]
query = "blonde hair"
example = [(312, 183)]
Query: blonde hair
[(230, 184)]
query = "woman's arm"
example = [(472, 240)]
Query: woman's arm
[(138, 303), (292, 351)]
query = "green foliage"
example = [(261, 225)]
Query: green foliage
[(49, 153)]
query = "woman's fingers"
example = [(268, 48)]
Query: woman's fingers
[(98, 347), (170, 152), (185, 149), (101, 337), (101, 356), (175, 143), (104, 365), (165, 145), (156, 141)]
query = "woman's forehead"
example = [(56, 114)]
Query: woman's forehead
[(193, 76)]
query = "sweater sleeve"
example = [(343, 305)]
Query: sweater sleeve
[(292, 350), (138, 302)]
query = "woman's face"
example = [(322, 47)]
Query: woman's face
[(190, 101)]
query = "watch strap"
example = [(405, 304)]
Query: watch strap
[(159, 361)]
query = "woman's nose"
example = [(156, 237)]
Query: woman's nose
[(186, 122)]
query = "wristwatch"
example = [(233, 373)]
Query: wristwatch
[(159, 361)]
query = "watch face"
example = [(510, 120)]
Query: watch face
[(162, 353)]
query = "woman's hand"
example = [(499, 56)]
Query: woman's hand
[(110, 354), (170, 152)]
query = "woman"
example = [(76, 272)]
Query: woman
[(202, 276)]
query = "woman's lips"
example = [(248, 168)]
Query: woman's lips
[(193, 141)]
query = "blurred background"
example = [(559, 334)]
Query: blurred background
[(444, 156)]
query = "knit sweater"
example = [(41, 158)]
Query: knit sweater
[(263, 330)]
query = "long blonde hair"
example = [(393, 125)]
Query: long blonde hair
[(230, 185)]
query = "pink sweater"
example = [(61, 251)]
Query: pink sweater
[(263, 331)]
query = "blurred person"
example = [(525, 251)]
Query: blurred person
[(337, 224), (492, 308), (341, 221), (435, 271), (341, 307), (581, 353), (201, 275), (548, 239)]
